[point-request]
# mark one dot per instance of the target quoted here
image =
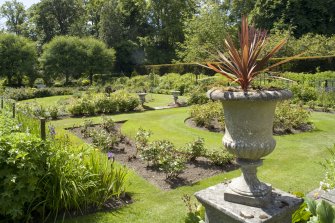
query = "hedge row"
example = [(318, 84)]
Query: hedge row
[(302, 64)]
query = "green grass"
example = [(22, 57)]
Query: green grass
[(48, 101), (154, 100), (293, 166), (158, 100)]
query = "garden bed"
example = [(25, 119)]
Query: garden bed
[(124, 152)]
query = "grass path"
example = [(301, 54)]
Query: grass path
[(293, 166)]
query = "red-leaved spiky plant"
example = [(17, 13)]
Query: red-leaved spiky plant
[(243, 64)]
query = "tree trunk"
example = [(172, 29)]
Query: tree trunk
[(91, 78)]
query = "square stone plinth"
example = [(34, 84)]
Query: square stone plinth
[(218, 210)]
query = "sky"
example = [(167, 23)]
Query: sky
[(27, 3)]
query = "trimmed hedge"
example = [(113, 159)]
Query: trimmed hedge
[(302, 64)]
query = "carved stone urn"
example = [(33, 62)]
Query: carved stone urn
[(175, 95), (248, 135), (142, 97)]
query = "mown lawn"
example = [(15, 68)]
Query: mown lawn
[(293, 166), (153, 100), (48, 101)]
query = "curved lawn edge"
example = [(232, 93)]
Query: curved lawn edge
[(293, 166)]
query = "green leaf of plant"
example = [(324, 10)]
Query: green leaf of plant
[(311, 206), (325, 212)]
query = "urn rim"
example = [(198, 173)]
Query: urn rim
[(252, 95)]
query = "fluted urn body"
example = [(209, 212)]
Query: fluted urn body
[(248, 135)]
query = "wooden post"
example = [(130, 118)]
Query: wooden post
[(14, 110), (43, 133), (2, 102)]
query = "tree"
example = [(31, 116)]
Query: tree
[(71, 57), (57, 17), (302, 16), (204, 34), (94, 10), (15, 14), (18, 58), (167, 19), (123, 24), (99, 58), (63, 57)]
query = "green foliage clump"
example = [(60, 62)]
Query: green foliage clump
[(68, 57), (288, 118), (197, 97), (196, 212), (20, 94), (163, 155), (119, 101), (314, 212), (41, 179), (203, 115), (304, 93), (220, 158), (141, 140), (195, 149), (328, 181), (23, 162), (108, 124), (53, 112), (18, 58), (103, 139)]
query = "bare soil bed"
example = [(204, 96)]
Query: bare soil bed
[(124, 152)]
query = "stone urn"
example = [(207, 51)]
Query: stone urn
[(175, 95), (248, 135), (142, 97)]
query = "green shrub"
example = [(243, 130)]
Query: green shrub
[(163, 155), (108, 124), (203, 115), (105, 105), (23, 163), (195, 149), (41, 179), (53, 112), (19, 94), (8, 125), (196, 212), (89, 104), (197, 97), (289, 117), (328, 181), (85, 82), (141, 140), (153, 152), (220, 158), (125, 102), (104, 140)]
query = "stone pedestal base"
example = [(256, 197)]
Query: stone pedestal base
[(218, 210)]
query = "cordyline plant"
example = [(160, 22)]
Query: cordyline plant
[(243, 65)]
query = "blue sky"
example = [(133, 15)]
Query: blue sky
[(26, 3)]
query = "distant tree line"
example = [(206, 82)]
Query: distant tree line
[(78, 38)]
